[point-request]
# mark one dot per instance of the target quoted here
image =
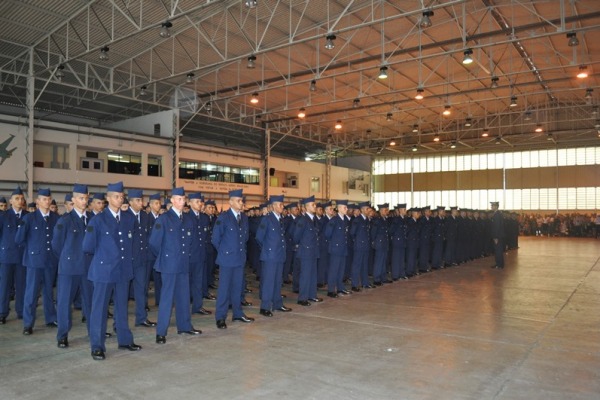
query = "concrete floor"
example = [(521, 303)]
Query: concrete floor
[(531, 331)]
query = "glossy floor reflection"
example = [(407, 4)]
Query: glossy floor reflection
[(531, 331)]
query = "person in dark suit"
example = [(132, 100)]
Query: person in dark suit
[(229, 236), (451, 230), (398, 231), (425, 231), (270, 235), (35, 233), (198, 255), (437, 238), (12, 271), (306, 241), (290, 255), (498, 235), (171, 242), (412, 242), (360, 231), (380, 240), (140, 254), (109, 239), (211, 252), (155, 207), (73, 263), (336, 232)]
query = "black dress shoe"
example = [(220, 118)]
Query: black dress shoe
[(27, 331), (266, 313), (109, 314), (83, 319), (131, 347), (296, 291), (202, 311), (246, 303), (315, 300), (287, 281), (161, 339), (2, 320), (107, 335), (304, 303), (377, 283), (284, 309), (355, 289), (190, 332), (210, 296), (52, 324), (147, 323), (320, 285), (98, 355), (368, 287), (283, 296), (221, 324), (387, 281), (243, 318), (212, 286), (343, 291), (147, 308), (63, 343), (331, 294), (247, 290), (404, 278)]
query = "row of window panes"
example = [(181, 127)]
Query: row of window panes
[(202, 166), (585, 198), (463, 162)]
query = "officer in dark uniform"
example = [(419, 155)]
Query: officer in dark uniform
[(211, 252), (155, 207), (462, 237), (290, 255), (498, 235), (306, 240), (140, 254), (398, 231), (425, 231), (360, 231), (323, 261), (35, 233), (380, 239), (73, 263), (230, 236), (12, 271), (254, 218), (451, 231), (412, 242), (350, 256), (270, 235), (198, 255), (336, 232), (68, 204), (109, 239), (437, 238), (3, 204), (171, 242)]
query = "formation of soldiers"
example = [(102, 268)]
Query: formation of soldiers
[(108, 248)]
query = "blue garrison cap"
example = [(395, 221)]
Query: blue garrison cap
[(426, 208), (341, 202), (353, 206), (79, 188), (236, 193), (328, 204), (53, 202), (98, 196), (363, 204), (441, 208), (68, 197), (276, 199), (495, 203), (155, 196), (17, 191), (44, 192), (401, 205), (193, 196), (115, 187), (178, 191), (384, 205), (3, 200), (31, 205), (210, 202), (291, 205), (320, 205), (135, 194), (262, 205), (307, 200)]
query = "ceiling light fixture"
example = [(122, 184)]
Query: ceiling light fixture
[(527, 115), (313, 85), (595, 110), (485, 132), (338, 125), (383, 72), (513, 101), (588, 93), (165, 29), (301, 113), (208, 106), (143, 90), (254, 98), (415, 128), (573, 41), (498, 140), (549, 136), (495, 80), (414, 147), (250, 3), (436, 137), (329, 44), (453, 145), (388, 117), (59, 72), (251, 60), (468, 122), (447, 110), (583, 72), (538, 128), (104, 53), (420, 95), (355, 103), (468, 57), (190, 77), (392, 142), (426, 19)]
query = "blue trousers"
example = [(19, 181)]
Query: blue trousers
[(411, 257), (12, 274), (197, 274), (450, 251), (424, 254), (308, 278), (335, 278), (211, 255), (380, 265), (175, 287), (290, 256), (100, 298), (157, 286), (296, 268), (66, 289), (270, 285), (36, 279), (499, 253), (437, 253), (230, 291), (360, 268), (322, 267), (140, 292), (398, 261)]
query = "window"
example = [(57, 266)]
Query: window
[(121, 163), (218, 173), (154, 165), (315, 184), (51, 155)]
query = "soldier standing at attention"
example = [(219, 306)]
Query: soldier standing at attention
[(360, 231), (171, 242), (398, 230), (336, 232), (270, 235), (437, 239), (229, 236), (306, 240), (35, 232), (380, 240), (498, 235), (109, 239), (155, 206), (198, 255)]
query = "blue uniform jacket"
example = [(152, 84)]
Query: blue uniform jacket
[(36, 235), (67, 244), (10, 251), (360, 231), (398, 231), (497, 225), (201, 236), (270, 234), (111, 245), (412, 232), (426, 229), (230, 238), (150, 257), (379, 233), (140, 238), (171, 242), (336, 232), (306, 237)]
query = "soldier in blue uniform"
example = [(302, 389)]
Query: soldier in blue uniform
[(425, 231), (12, 271), (323, 261), (35, 233), (270, 235), (350, 256), (360, 231), (230, 236), (290, 254), (412, 242), (306, 241), (451, 231), (211, 252), (109, 239), (171, 242), (498, 235), (380, 240), (155, 207), (398, 239), (336, 232), (198, 255), (73, 263), (140, 254), (3, 204), (437, 239), (68, 203)]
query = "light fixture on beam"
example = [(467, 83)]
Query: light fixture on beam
[(549, 136), (498, 140), (338, 125), (527, 116), (436, 137), (595, 110), (420, 95), (453, 145), (447, 110), (250, 3), (583, 72), (573, 41), (313, 86), (468, 57), (426, 19), (208, 106), (59, 72), (254, 98), (251, 61), (388, 117), (383, 72), (143, 90), (104, 53), (329, 42), (189, 78), (495, 80), (485, 132), (539, 128), (355, 103), (468, 122), (513, 101), (415, 128), (301, 113), (588, 93), (414, 147), (392, 142), (165, 29)]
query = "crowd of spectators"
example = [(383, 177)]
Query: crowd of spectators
[(568, 224)]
